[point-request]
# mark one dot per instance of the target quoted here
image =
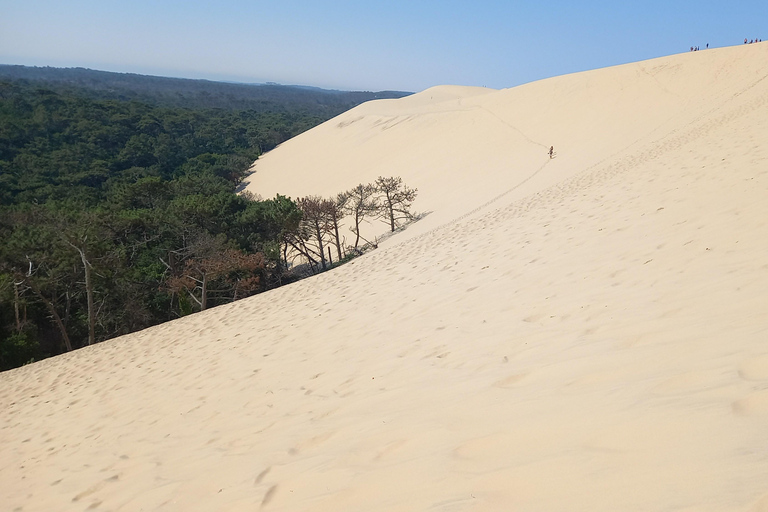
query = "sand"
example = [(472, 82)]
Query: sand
[(587, 333)]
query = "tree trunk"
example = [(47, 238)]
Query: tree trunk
[(320, 245), (89, 297), (16, 305), (56, 318), (357, 230), (204, 293), (338, 241), (391, 208)]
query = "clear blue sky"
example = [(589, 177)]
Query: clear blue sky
[(366, 44)]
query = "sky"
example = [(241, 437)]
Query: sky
[(368, 45)]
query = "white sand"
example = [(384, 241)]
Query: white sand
[(586, 333)]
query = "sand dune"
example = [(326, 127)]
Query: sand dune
[(465, 146), (583, 333)]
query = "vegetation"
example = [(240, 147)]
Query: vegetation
[(388, 199), (117, 215), (396, 200), (177, 92)]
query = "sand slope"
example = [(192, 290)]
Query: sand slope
[(586, 333), (465, 146)]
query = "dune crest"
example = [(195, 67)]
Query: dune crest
[(465, 146), (586, 332)]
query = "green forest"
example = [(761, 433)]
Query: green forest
[(180, 92), (118, 214)]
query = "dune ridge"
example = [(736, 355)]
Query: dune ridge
[(475, 142), (582, 333)]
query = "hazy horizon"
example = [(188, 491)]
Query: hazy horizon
[(402, 46), (233, 80)]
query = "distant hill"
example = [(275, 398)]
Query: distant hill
[(181, 92)]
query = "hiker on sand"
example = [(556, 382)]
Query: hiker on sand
[(551, 151)]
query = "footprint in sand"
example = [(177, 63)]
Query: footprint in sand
[(389, 449), (93, 489), (269, 495), (688, 382), (489, 451), (761, 505), (755, 368), (261, 476), (752, 405), (510, 381), (310, 443)]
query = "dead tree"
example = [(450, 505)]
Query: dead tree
[(317, 223), (395, 200), (361, 203), (40, 288), (6, 282), (231, 272), (336, 213), (87, 267)]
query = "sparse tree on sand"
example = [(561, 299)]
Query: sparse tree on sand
[(361, 203), (316, 223), (336, 213), (396, 200)]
